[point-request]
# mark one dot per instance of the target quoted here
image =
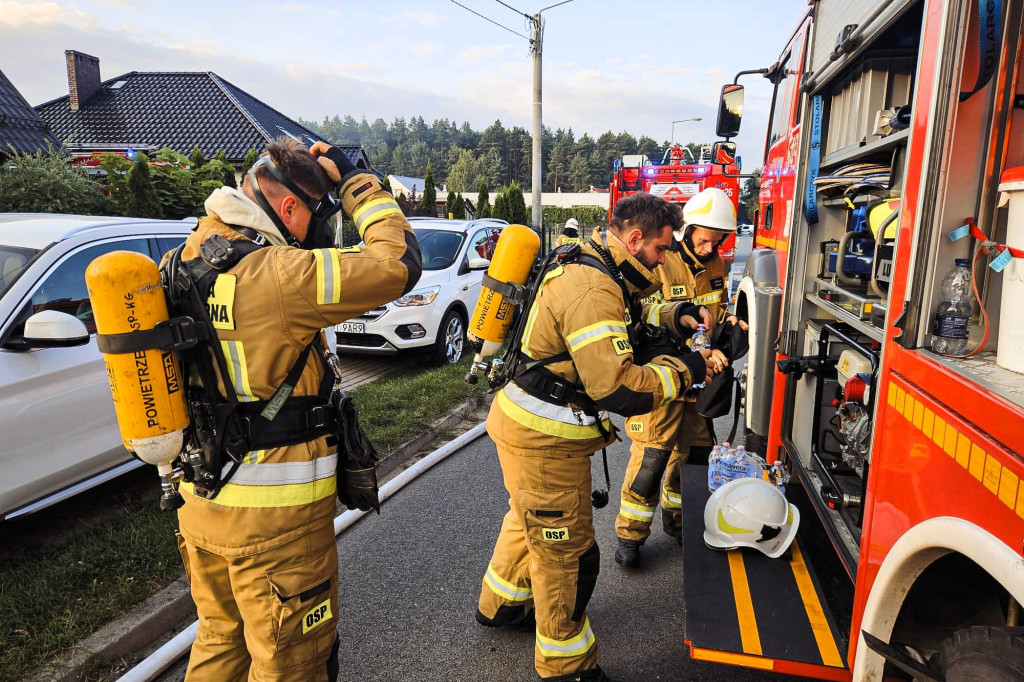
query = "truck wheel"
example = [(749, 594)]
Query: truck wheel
[(451, 339), (982, 653)]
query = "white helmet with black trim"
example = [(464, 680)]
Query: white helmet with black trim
[(750, 512)]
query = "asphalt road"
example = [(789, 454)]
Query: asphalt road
[(410, 579)]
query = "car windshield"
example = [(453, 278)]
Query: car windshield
[(13, 261), (439, 248)]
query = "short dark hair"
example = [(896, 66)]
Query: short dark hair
[(294, 160), (646, 212)]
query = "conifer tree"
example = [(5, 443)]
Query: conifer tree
[(428, 205), (459, 209), (251, 157), (197, 159), (142, 198), (449, 204), (483, 203), (229, 172)]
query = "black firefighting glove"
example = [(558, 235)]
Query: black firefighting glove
[(335, 162), (357, 459), (699, 313)]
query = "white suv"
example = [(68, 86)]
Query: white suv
[(58, 432), (433, 315)]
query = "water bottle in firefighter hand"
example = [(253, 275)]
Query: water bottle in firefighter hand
[(700, 340), (953, 315)]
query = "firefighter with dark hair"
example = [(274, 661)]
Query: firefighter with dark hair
[(257, 534), (693, 274), (579, 362)]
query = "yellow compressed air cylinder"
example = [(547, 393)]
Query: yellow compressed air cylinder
[(126, 295), (513, 259)]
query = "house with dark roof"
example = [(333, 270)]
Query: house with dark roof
[(147, 111), (21, 128)]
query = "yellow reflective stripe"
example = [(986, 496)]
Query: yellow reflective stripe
[(815, 613), (533, 310), (668, 387), (727, 527), (328, 276), (594, 333), (750, 639), (264, 496), (238, 370), (654, 314), (713, 297), (574, 646), (373, 211), (637, 512), (505, 589), (546, 425), (671, 500)]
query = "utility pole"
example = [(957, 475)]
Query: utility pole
[(536, 47)]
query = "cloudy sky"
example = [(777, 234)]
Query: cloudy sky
[(633, 65)]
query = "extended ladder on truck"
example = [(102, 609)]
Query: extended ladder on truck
[(745, 609)]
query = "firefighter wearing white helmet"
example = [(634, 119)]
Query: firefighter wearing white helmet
[(750, 512), (570, 233), (693, 272)]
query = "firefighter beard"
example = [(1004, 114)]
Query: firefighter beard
[(545, 562)]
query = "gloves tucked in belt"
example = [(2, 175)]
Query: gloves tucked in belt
[(357, 459), (357, 488)]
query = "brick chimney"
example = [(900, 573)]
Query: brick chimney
[(83, 77)]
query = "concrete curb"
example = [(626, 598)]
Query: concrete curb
[(162, 612)]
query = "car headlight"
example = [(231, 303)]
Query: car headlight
[(418, 297)]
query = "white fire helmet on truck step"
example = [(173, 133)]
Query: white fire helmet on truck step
[(750, 512), (711, 209)]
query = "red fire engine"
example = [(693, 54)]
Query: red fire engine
[(676, 177), (896, 136)]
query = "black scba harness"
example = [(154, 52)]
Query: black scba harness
[(222, 429)]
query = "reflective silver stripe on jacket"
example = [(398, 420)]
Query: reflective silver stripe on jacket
[(557, 413), (284, 473)]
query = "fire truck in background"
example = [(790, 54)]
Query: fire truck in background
[(677, 177), (895, 146)]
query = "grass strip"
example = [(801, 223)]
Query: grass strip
[(52, 600)]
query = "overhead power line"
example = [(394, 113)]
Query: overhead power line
[(513, 8), (491, 20)]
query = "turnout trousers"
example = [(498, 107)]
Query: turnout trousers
[(546, 558), (660, 445), (267, 616)]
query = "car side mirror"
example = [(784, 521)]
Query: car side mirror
[(479, 263), (730, 111), (52, 329)]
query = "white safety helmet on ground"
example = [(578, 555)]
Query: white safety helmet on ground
[(750, 512), (711, 209)]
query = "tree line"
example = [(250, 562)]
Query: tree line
[(461, 156)]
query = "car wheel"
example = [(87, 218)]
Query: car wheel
[(451, 339)]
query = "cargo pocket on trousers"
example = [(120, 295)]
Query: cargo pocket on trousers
[(551, 520), (301, 600), (183, 551), (648, 478)]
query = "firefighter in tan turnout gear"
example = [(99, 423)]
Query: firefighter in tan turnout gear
[(693, 272), (259, 550), (578, 363), (570, 233)]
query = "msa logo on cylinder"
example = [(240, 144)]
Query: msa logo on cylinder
[(320, 614), (555, 534)]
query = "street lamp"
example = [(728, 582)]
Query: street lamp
[(682, 120)]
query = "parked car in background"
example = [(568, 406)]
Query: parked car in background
[(58, 432), (431, 317), (745, 229)]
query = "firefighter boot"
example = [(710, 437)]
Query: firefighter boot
[(670, 526), (509, 617), (592, 675), (628, 553)]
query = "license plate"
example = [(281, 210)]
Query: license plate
[(351, 328)]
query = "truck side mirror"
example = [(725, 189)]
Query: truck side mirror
[(723, 153), (730, 111)]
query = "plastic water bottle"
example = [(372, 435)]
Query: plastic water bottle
[(715, 478), (778, 476), (700, 339), (953, 315)]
